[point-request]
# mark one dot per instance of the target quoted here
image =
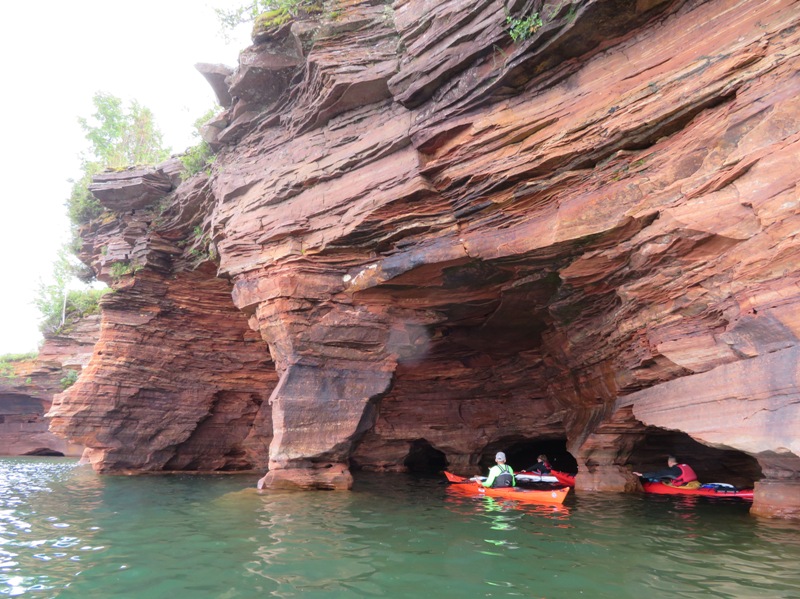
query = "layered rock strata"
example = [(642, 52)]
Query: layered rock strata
[(177, 380), (27, 395), (445, 236)]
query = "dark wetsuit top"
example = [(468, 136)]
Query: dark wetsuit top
[(540, 467)]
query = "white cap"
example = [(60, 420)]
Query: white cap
[(500, 457)]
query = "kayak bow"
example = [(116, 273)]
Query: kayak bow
[(471, 487)]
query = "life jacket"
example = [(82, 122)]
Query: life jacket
[(687, 476), (505, 478)]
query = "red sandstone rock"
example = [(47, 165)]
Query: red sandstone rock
[(28, 395), (216, 74), (177, 380), (553, 239), (130, 189)]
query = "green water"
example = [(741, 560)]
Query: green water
[(66, 532)]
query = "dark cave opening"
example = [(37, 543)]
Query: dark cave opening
[(711, 464), (44, 452), (522, 453), (423, 458)]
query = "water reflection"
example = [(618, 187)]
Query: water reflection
[(68, 533), (494, 504)]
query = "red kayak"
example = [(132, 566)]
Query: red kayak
[(711, 490), (471, 487), (555, 477)]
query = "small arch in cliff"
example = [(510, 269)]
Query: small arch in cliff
[(521, 453), (711, 464), (423, 458), (44, 452)]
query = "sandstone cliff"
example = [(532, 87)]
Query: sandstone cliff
[(26, 394), (422, 240)]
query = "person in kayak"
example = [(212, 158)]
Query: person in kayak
[(500, 475), (679, 475), (542, 465)]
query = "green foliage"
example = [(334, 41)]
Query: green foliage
[(120, 269), (80, 303), (7, 363), (269, 13), (119, 138), (82, 206), (203, 248), (200, 156), (522, 29), (60, 306), (50, 298), (69, 378), (197, 159)]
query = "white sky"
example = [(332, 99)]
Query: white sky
[(57, 54)]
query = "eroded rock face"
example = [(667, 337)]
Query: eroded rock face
[(448, 238), (177, 381), (26, 396)]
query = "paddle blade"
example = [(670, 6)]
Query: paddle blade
[(453, 478)]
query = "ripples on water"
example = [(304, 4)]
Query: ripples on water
[(66, 532)]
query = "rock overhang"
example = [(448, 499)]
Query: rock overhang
[(603, 218)]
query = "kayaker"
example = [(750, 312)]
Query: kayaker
[(542, 465), (500, 475), (679, 475)]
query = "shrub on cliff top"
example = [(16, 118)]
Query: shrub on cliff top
[(268, 13), (119, 138)]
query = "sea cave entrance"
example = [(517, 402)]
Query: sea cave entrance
[(710, 464), (522, 453), (44, 452), (423, 458)]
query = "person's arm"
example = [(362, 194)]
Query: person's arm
[(493, 471)]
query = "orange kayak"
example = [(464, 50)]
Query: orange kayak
[(470, 487)]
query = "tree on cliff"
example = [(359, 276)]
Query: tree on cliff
[(118, 138), (61, 306)]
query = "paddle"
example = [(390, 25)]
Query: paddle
[(460, 480)]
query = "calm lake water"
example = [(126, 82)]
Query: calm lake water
[(66, 532)]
